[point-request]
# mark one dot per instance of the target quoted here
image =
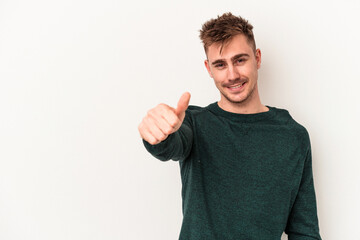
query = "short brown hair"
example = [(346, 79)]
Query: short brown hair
[(223, 28)]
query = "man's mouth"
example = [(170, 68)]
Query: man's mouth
[(237, 86)]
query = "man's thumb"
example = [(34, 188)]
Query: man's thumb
[(183, 104)]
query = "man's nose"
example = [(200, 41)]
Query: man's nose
[(233, 73)]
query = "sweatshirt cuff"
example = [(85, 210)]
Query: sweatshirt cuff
[(159, 150)]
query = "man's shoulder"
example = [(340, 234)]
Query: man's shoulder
[(296, 127), (197, 113), (194, 109)]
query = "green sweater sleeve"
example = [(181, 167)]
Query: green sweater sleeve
[(303, 222), (176, 146)]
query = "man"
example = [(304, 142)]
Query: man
[(246, 168)]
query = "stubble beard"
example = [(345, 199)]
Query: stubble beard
[(248, 96)]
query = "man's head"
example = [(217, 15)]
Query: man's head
[(225, 27), (232, 61)]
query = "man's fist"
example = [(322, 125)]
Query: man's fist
[(163, 120)]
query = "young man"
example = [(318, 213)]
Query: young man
[(246, 168)]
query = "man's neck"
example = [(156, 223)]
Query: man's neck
[(241, 108)]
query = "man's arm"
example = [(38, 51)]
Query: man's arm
[(166, 132), (303, 221)]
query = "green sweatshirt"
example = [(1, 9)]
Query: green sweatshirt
[(244, 176)]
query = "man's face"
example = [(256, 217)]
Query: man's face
[(237, 64)]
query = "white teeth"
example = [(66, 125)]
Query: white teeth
[(237, 86)]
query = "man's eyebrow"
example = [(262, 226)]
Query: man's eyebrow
[(239, 56), (232, 59), (217, 61)]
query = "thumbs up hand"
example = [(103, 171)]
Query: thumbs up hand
[(163, 120)]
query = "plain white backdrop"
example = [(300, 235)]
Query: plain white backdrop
[(76, 78)]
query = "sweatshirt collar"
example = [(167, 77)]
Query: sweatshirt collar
[(251, 117)]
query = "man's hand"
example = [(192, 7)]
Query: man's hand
[(163, 120)]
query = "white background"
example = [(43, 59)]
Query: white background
[(76, 78)]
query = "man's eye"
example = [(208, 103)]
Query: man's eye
[(240, 60), (220, 65)]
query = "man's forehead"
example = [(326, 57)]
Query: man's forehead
[(234, 46)]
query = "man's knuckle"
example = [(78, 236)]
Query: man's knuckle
[(140, 127), (169, 130), (161, 135), (150, 113), (173, 123), (161, 106)]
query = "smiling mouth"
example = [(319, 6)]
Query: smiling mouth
[(237, 86)]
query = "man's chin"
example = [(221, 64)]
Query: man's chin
[(234, 100)]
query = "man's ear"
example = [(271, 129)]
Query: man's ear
[(258, 58), (207, 65)]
